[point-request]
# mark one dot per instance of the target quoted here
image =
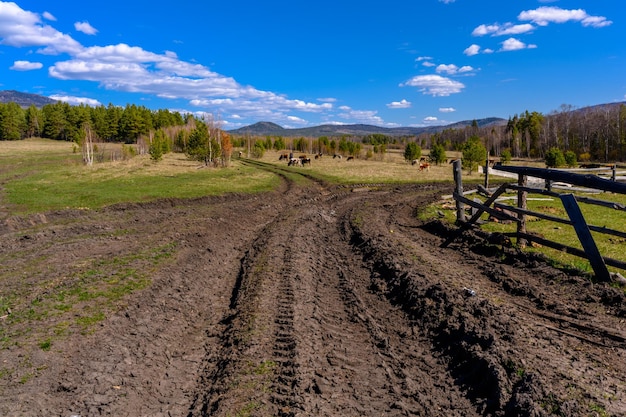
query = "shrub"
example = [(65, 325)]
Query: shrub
[(570, 159), (474, 153), (438, 153), (555, 158), (412, 151), (258, 150), (505, 156)]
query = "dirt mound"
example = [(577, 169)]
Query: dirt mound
[(310, 301)]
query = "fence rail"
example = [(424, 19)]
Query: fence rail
[(519, 213)]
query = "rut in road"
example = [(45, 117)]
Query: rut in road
[(308, 336)]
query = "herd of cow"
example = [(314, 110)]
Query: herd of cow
[(303, 160), (300, 161)]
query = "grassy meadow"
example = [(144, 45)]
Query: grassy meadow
[(42, 175), (390, 168), (38, 175)]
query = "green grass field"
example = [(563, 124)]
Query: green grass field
[(38, 175), (41, 175)]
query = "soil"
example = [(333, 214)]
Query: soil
[(313, 300)]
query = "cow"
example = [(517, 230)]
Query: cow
[(295, 162), (336, 156), (283, 156), (350, 158), (305, 161), (424, 166)]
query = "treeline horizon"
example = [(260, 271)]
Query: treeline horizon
[(593, 133)]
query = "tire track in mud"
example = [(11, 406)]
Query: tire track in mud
[(304, 305), (254, 370), (358, 354), (502, 352), (284, 383)]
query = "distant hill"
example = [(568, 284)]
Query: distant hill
[(24, 99), (272, 129)]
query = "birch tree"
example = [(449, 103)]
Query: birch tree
[(87, 145)]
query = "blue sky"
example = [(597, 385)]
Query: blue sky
[(387, 63)]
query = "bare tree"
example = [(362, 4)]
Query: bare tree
[(88, 145)]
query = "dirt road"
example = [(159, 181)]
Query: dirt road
[(310, 301)]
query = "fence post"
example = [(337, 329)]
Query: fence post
[(521, 203), (585, 237), (613, 173), (457, 167)]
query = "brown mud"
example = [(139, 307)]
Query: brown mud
[(309, 301)]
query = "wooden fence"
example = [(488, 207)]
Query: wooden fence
[(552, 178)]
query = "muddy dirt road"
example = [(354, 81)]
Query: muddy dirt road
[(310, 301)]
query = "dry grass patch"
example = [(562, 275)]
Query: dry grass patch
[(391, 169)]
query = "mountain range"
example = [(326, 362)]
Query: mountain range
[(272, 129), (24, 99)]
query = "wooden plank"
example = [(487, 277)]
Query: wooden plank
[(458, 182), (475, 217), (581, 199), (486, 209), (604, 230), (609, 204), (555, 175), (572, 251), (585, 237), (532, 213), (521, 203)]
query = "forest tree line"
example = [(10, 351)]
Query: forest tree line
[(592, 134)]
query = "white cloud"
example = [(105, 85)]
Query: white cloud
[(502, 30), (49, 16), (472, 50), (513, 44), (20, 28), (85, 27), (447, 1), (128, 68), (483, 30), (402, 104), (447, 109), (26, 66), (430, 119), (361, 116), (435, 85), (596, 21), (295, 119), (424, 58), (76, 100), (452, 69), (545, 15)]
